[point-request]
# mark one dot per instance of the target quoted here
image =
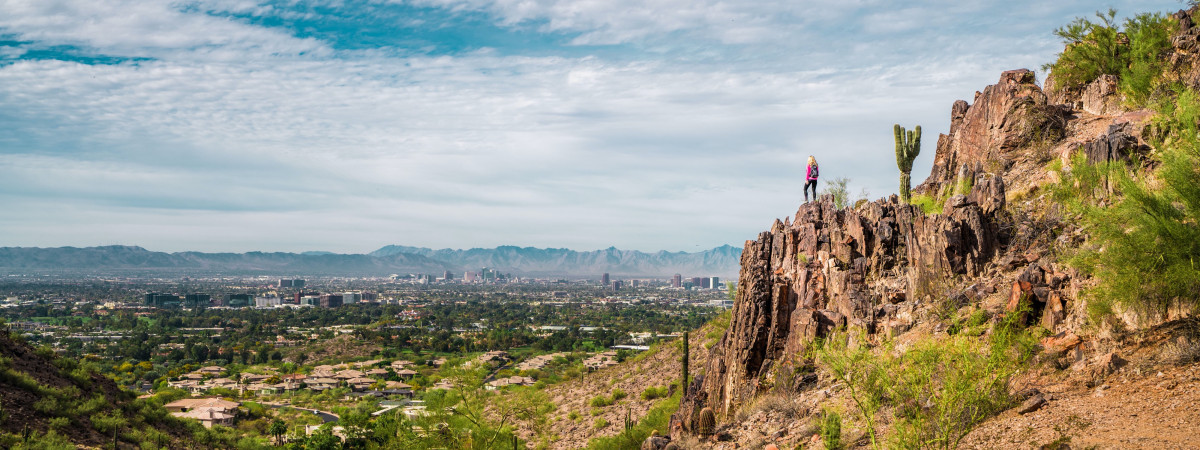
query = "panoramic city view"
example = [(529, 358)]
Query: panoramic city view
[(567, 224)]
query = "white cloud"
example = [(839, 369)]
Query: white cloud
[(230, 139)]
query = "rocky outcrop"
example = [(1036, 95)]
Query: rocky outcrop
[(1003, 117), (1185, 60), (865, 268), (1100, 96)]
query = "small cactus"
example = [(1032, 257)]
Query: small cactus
[(908, 146), (707, 422)]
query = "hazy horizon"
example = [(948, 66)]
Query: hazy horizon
[(228, 125)]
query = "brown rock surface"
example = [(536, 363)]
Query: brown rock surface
[(998, 122), (827, 268)]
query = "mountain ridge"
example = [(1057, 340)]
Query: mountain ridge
[(391, 259)]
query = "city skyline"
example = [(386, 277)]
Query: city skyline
[(234, 126)]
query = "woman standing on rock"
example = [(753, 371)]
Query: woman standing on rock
[(811, 178)]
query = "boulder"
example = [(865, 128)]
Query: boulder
[(1034, 403), (1100, 96)]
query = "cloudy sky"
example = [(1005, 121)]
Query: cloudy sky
[(238, 125)]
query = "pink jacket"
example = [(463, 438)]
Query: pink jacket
[(812, 172)]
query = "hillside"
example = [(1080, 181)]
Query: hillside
[(53, 401), (1037, 289)]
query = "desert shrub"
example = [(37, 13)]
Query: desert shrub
[(107, 423), (654, 392), (600, 401), (49, 441), (1144, 228), (618, 394), (600, 423), (927, 203), (1132, 51), (836, 187), (939, 389), (47, 405), (829, 426), (657, 419), (59, 423)]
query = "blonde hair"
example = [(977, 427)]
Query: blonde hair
[(812, 161)]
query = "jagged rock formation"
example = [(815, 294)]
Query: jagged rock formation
[(863, 268), (875, 269), (983, 135)]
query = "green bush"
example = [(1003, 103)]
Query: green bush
[(1144, 244), (618, 394), (600, 423), (830, 429), (658, 418), (654, 392), (928, 204), (940, 388), (600, 401), (1133, 51)]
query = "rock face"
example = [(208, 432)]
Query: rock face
[(863, 268), (1004, 117)]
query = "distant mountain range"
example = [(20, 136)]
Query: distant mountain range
[(721, 261)]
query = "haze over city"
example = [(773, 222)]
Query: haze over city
[(315, 125)]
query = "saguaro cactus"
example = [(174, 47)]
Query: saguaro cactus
[(908, 146), (684, 382)]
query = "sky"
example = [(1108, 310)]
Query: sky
[(298, 125)]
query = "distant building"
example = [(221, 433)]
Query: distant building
[(162, 300), (266, 302), (714, 283), (677, 281), (238, 300), (447, 276), (300, 295), (633, 284), (197, 300), (697, 282), (616, 285), (604, 279), (351, 298), (310, 300), (370, 297), (331, 301), (291, 283)]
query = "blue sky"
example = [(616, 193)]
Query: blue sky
[(238, 125)]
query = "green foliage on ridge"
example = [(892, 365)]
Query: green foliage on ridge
[(1144, 226)]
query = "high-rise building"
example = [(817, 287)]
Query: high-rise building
[(697, 282), (677, 281), (197, 300), (351, 298), (448, 276), (162, 300), (616, 285), (604, 279), (331, 301), (238, 300), (283, 282), (714, 283)]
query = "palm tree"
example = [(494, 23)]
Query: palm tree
[(277, 429)]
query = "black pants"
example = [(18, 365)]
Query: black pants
[(813, 184)]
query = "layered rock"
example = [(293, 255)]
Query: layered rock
[(865, 269), (1004, 117)]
